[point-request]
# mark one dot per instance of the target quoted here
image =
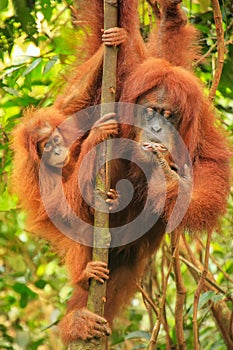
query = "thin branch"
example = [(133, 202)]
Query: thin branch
[(221, 48), (180, 290), (206, 54), (148, 299), (228, 42), (149, 302), (220, 310), (155, 332), (199, 289), (226, 275), (203, 57), (208, 279), (164, 319), (147, 284)]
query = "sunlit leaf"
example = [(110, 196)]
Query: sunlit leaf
[(204, 4), (3, 4), (50, 64), (32, 66), (11, 91)]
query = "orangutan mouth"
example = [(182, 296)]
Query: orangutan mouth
[(153, 147)]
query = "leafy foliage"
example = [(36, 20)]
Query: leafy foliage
[(35, 48)]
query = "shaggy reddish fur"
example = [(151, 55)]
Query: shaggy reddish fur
[(164, 62)]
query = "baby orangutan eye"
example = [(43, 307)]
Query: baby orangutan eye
[(48, 147), (57, 139)]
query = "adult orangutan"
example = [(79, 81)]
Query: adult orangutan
[(158, 78)]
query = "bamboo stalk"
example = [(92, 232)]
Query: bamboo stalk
[(101, 236)]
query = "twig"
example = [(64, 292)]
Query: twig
[(164, 319), (221, 48), (220, 310), (228, 42), (180, 290), (148, 299), (206, 54), (208, 279), (199, 289), (147, 284), (155, 332), (226, 275)]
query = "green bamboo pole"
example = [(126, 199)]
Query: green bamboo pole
[(97, 292)]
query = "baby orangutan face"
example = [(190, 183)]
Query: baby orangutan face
[(54, 150)]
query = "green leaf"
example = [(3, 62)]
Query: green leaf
[(138, 334), (22, 288), (11, 300), (17, 263), (24, 15), (50, 64), (11, 91), (7, 202), (24, 300), (35, 345), (32, 66), (46, 9), (204, 298), (26, 294), (40, 284), (204, 4), (217, 297), (28, 82), (12, 69), (3, 4)]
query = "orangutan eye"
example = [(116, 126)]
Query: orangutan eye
[(167, 114), (57, 139), (48, 147), (149, 113)]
